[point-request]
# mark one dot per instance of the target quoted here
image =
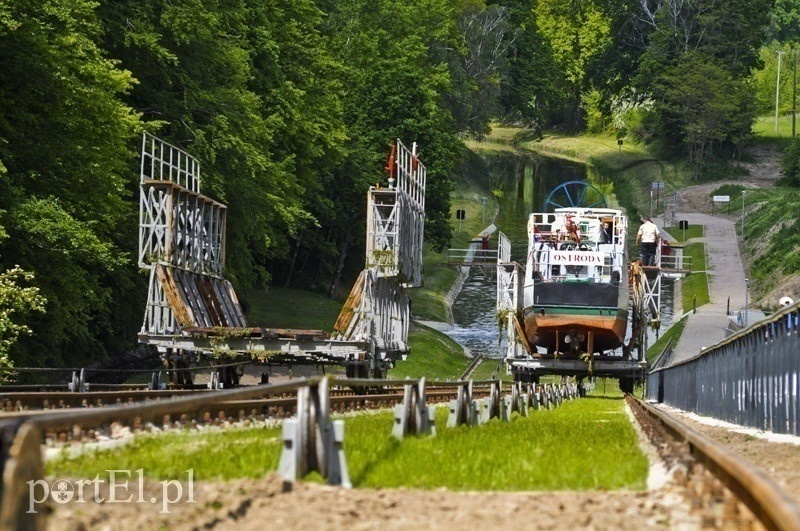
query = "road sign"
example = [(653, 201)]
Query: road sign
[(658, 185), (721, 198), (461, 214)]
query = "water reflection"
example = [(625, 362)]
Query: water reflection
[(521, 184)]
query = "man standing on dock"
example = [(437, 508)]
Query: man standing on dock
[(649, 236)]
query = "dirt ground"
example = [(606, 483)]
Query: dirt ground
[(763, 166)]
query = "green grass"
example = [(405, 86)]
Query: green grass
[(772, 235), (694, 231), (433, 355), (428, 302), (764, 128), (290, 308), (673, 333), (491, 369), (224, 454), (694, 287), (583, 444)]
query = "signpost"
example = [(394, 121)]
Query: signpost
[(460, 215), (720, 199)]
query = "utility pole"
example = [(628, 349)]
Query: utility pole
[(746, 302), (794, 91), (742, 214), (778, 90)]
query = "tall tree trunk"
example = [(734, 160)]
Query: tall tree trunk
[(323, 259), (342, 257), (292, 262)]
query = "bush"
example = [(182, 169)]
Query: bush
[(790, 165)]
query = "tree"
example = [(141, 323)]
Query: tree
[(66, 141), (533, 87), (396, 78), (16, 302), (578, 32), (475, 95), (784, 22), (706, 106)]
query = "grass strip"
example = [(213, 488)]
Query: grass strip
[(694, 231), (222, 454), (673, 333), (694, 287), (583, 444)]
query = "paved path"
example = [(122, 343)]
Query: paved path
[(726, 280)]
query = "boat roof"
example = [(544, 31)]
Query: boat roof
[(581, 211)]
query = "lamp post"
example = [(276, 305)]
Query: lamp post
[(794, 91), (746, 300), (743, 214), (778, 90)]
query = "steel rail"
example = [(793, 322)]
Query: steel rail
[(96, 416), (167, 403), (65, 399), (765, 499)]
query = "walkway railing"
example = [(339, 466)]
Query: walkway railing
[(752, 378), (472, 256)]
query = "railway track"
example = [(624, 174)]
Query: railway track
[(724, 490), (727, 491), (23, 403)]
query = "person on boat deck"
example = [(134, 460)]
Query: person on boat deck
[(604, 236), (571, 230), (649, 235)]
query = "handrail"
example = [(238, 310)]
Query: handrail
[(760, 325)]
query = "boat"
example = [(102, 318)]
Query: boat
[(577, 307), (576, 289)]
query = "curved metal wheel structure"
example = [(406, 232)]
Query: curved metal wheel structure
[(574, 194)]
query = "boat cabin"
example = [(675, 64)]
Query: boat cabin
[(577, 245)]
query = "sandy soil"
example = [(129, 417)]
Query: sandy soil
[(271, 503)]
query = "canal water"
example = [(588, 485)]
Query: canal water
[(521, 184)]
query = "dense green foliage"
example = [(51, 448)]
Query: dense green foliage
[(772, 235), (291, 108)]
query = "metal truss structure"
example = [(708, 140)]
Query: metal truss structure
[(378, 309), (509, 296), (191, 307), (396, 219), (651, 282), (182, 243)]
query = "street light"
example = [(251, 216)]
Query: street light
[(742, 214), (778, 90), (746, 300)]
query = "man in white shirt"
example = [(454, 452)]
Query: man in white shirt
[(649, 235)]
